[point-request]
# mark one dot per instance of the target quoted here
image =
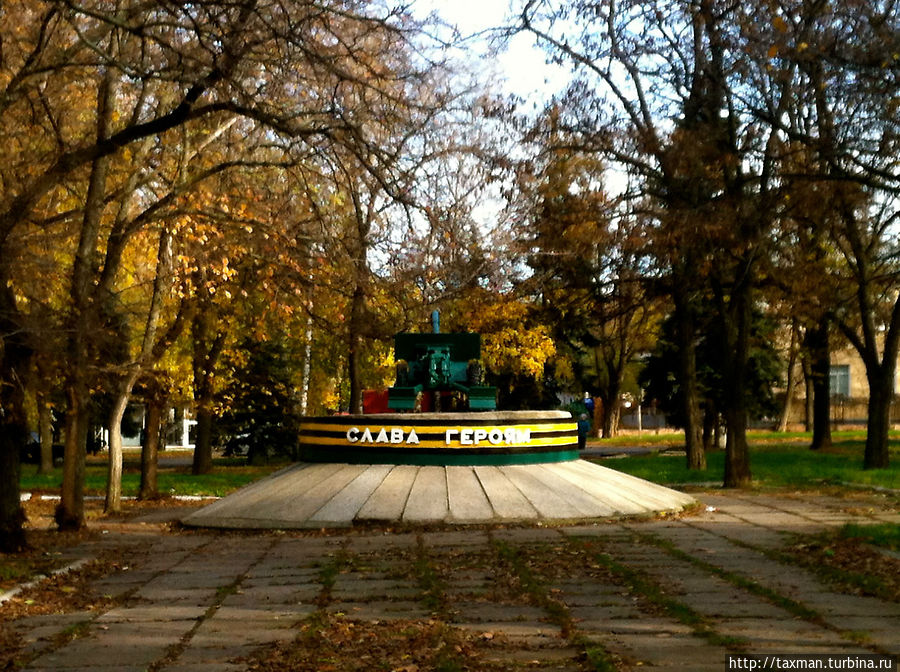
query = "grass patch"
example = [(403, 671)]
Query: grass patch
[(647, 438), (15, 569), (885, 535), (219, 482), (782, 464), (599, 658), (668, 438), (72, 632)]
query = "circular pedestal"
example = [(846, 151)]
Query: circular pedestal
[(444, 439), (455, 468)]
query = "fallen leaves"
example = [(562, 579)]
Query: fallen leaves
[(62, 593), (332, 642), (853, 565)]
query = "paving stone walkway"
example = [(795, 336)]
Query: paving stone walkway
[(672, 594)]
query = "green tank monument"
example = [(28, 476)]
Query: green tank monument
[(440, 365), (459, 461)]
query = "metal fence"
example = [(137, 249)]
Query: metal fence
[(855, 410), (844, 411)]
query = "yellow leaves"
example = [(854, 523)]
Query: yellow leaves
[(563, 369), (384, 368), (507, 343)]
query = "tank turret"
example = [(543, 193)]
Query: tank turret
[(436, 363)]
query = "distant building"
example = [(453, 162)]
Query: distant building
[(849, 389), (177, 428)]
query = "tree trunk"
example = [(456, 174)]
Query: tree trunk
[(365, 215), (611, 417), (609, 397), (12, 518), (307, 364), (597, 419), (819, 354), (881, 371), (15, 360), (736, 317), (114, 466), (710, 421), (70, 511), (257, 455), (614, 367), (877, 454), (150, 449), (694, 443), (737, 456), (133, 371), (84, 322), (45, 431), (203, 443), (808, 411), (789, 387), (354, 347), (114, 472), (208, 343)]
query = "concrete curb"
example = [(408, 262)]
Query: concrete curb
[(71, 567)]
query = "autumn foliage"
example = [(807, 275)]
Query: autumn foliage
[(189, 190)]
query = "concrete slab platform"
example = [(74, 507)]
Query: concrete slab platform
[(428, 500), (505, 498), (466, 497), (340, 495)]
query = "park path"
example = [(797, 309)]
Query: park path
[(673, 594)]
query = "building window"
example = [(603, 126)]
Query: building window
[(839, 381)]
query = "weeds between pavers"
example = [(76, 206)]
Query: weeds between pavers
[(797, 609), (534, 584), (654, 599), (791, 606), (433, 587), (333, 641), (329, 640)]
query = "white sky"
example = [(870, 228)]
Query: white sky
[(521, 67)]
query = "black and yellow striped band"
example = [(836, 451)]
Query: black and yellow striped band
[(441, 439)]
